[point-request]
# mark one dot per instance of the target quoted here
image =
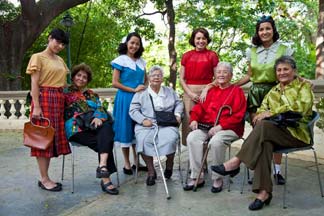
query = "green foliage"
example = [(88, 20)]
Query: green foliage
[(8, 11)]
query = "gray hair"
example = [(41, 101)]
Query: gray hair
[(154, 68), (225, 64), (286, 60)]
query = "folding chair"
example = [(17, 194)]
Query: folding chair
[(72, 146), (286, 151)]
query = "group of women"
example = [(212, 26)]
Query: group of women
[(276, 88)]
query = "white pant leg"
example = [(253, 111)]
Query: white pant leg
[(218, 144), (195, 140)]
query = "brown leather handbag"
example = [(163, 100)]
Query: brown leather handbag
[(39, 137)]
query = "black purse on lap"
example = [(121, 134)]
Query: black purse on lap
[(164, 118), (286, 119)]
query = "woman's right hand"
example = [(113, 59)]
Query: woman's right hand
[(37, 112), (203, 95), (193, 125), (194, 97), (140, 88), (147, 123)]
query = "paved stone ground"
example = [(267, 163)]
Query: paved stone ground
[(20, 195)]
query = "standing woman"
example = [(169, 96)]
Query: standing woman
[(128, 77), (197, 70), (48, 77)]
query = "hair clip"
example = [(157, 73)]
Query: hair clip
[(265, 19)]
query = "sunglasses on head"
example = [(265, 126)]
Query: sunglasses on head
[(265, 19)]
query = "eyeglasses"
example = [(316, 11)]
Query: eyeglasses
[(265, 19), (156, 75)]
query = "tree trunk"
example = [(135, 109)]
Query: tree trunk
[(320, 43), (171, 47), (17, 36)]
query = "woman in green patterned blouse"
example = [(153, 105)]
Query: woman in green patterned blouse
[(291, 94)]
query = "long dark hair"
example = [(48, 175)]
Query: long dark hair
[(256, 40), (122, 48)]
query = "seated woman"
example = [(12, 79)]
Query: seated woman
[(290, 94), (141, 111), (89, 124), (222, 113)]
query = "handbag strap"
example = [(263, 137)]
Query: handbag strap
[(152, 102)]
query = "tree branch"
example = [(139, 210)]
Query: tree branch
[(152, 13)]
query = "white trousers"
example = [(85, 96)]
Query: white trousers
[(218, 144)]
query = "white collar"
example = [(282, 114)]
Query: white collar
[(126, 61), (273, 47), (154, 94)]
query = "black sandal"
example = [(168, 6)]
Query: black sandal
[(102, 172), (105, 188)]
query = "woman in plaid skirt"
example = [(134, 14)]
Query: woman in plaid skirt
[(48, 77)]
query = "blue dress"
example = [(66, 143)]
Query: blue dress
[(132, 74)]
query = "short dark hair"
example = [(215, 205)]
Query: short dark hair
[(59, 35), (286, 60), (82, 67), (195, 31), (256, 40), (122, 48)]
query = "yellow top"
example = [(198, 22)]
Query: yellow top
[(52, 71)]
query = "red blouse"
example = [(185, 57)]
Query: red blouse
[(207, 112), (199, 66)]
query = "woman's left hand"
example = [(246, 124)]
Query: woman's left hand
[(214, 130), (178, 119), (261, 116), (96, 122)]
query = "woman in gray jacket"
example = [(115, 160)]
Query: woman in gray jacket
[(142, 112)]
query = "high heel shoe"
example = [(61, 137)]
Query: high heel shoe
[(220, 169), (258, 204)]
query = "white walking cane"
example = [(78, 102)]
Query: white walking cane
[(160, 165)]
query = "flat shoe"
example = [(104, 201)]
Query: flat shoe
[(150, 181), (54, 189), (168, 173), (220, 169), (102, 172), (258, 204), (127, 171), (279, 179), (105, 188), (190, 187)]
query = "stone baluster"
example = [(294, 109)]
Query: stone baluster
[(2, 109), (22, 109), (12, 109), (110, 104)]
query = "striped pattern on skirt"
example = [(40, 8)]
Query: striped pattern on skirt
[(51, 100)]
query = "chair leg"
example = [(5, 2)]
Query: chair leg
[(72, 163), (285, 185), (318, 173), (116, 163), (63, 160), (187, 173), (243, 181)]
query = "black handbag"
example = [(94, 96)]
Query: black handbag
[(205, 127), (286, 119), (84, 121), (164, 118)]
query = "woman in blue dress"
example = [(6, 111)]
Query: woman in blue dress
[(128, 77)]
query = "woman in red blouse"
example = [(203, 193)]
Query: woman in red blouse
[(197, 70)]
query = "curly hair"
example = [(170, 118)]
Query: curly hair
[(82, 67), (256, 40), (195, 31), (122, 48)]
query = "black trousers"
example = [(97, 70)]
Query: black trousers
[(100, 140)]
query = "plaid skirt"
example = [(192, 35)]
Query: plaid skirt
[(51, 101)]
